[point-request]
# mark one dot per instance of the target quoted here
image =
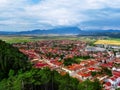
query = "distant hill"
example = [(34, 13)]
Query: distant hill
[(6, 33), (110, 33), (67, 31), (60, 31)]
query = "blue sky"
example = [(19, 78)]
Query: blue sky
[(20, 15)]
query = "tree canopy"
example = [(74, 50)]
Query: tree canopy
[(45, 79), (11, 59)]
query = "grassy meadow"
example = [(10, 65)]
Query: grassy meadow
[(18, 39), (89, 39)]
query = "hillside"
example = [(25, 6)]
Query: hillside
[(11, 59)]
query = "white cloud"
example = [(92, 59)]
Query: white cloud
[(52, 13)]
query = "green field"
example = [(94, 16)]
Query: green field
[(18, 39), (89, 39), (115, 39)]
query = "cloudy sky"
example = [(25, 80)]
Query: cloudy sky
[(19, 15)]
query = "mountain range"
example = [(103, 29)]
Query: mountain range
[(60, 31), (67, 31)]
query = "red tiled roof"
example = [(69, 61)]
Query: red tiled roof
[(84, 74), (91, 68), (113, 78), (108, 84), (56, 62), (74, 66), (40, 65), (116, 73), (118, 84), (106, 65)]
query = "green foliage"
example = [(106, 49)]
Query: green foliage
[(88, 85), (11, 59), (76, 59), (11, 73), (107, 71), (69, 61), (45, 79), (117, 89), (83, 57), (94, 73), (3, 84)]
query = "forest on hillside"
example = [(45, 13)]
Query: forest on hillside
[(11, 59)]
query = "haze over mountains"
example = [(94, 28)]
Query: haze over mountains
[(66, 31), (60, 31)]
